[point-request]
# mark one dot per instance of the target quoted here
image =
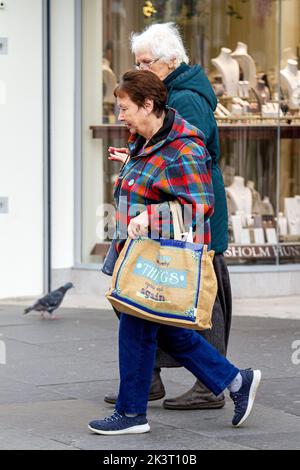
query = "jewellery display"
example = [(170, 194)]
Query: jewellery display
[(282, 225), (222, 112), (271, 236), (262, 91), (245, 236), (240, 198), (240, 106), (253, 228), (254, 71), (109, 84), (237, 227), (266, 207), (245, 95), (246, 63), (287, 54), (255, 231), (290, 83), (271, 110), (257, 221), (243, 89), (229, 70), (252, 218), (259, 238), (228, 175), (240, 207), (256, 199), (292, 213)]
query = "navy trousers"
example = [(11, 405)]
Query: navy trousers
[(137, 352)]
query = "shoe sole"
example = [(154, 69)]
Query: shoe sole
[(213, 406), (152, 398), (133, 430), (252, 395)]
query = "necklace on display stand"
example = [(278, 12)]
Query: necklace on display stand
[(246, 63), (292, 213), (229, 70), (290, 81), (256, 199), (240, 198), (266, 207), (287, 54)]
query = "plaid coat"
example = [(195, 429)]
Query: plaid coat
[(176, 168)]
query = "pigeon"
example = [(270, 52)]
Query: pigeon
[(50, 302)]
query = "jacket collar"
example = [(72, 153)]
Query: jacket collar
[(136, 141), (174, 128), (183, 67)]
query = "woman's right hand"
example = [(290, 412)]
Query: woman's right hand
[(118, 154)]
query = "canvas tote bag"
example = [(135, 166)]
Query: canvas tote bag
[(166, 281)]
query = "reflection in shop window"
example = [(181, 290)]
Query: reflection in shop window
[(109, 81)]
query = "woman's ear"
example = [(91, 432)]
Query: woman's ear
[(148, 105), (172, 64)]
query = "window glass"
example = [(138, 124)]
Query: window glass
[(237, 44)]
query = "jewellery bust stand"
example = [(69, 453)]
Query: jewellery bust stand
[(256, 199), (262, 92), (229, 70), (292, 213), (266, 206), (287, 54), (109, 83), (246, 63), (240, 198), (290, 82), (282, 225)]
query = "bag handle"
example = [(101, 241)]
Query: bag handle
[(178, 224)]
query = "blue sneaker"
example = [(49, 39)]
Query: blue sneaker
[(120, 424), (244, 398)]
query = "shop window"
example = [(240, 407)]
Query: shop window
[(258, 90)]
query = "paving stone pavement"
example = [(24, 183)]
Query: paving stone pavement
[(57, 373)]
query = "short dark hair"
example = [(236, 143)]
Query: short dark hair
[(140, 85)]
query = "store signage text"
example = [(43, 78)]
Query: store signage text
[(263, 251)]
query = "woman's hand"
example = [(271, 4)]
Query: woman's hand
[(118, 154), (138, 226)]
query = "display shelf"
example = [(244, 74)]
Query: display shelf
[(228, 130), (264, 131), (109, 131)]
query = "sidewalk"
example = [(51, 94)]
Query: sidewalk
[(57, 373), (275, 307)]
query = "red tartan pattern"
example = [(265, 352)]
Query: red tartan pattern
[(178, 167)]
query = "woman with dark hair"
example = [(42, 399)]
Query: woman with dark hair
[(168, 161)]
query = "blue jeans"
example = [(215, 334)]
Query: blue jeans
[(137, 349)]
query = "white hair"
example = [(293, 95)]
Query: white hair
[(162, 41)]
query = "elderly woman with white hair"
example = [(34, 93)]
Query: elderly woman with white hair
[(159, 48)]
